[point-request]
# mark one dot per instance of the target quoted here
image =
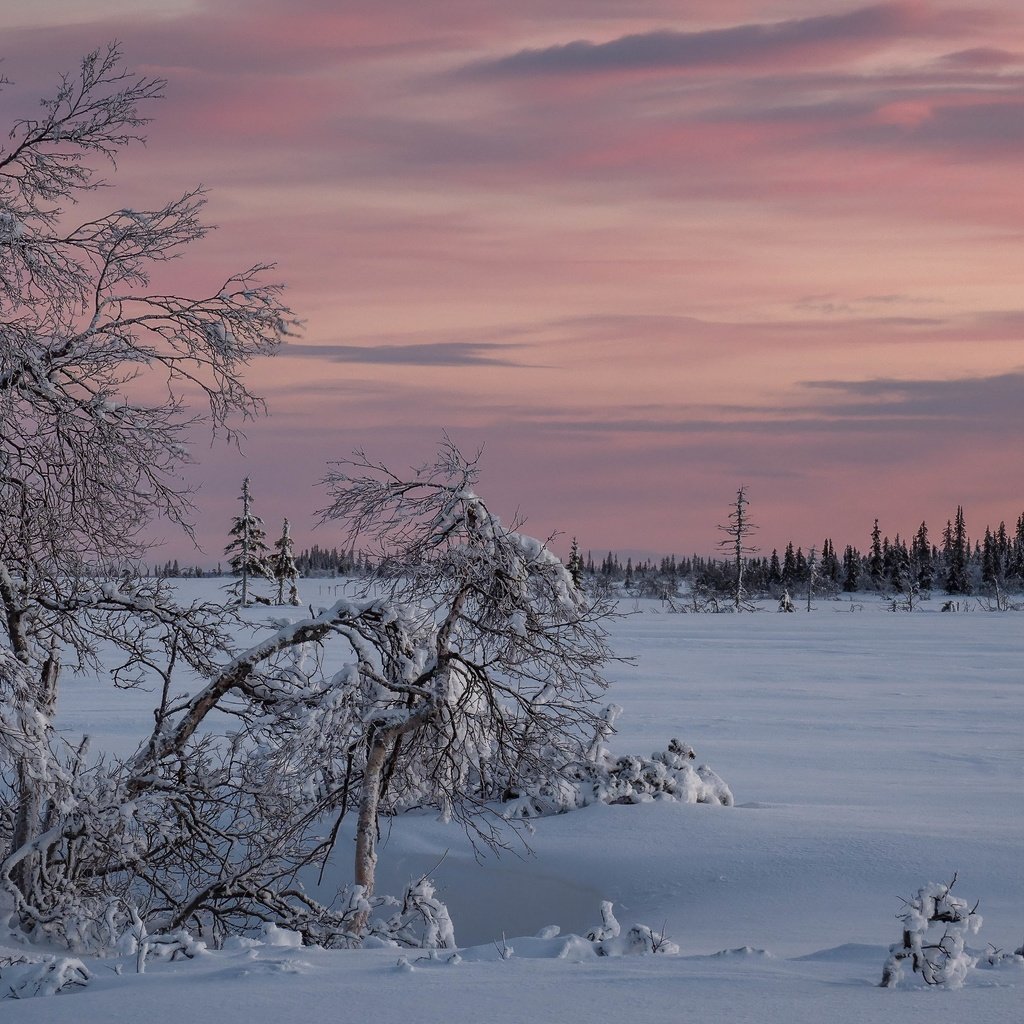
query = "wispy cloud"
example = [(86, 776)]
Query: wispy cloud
[(437, 354), (975, 404), (653, 243), (823, 38)]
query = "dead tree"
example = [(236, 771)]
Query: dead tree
[(737, 532)]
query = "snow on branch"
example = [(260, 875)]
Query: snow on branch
[(940, 959)]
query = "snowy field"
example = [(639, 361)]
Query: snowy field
[(869, 753)]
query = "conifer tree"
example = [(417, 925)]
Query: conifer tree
[(899, 573), (282, 562), (812, 576), (829, 570), (851, 569), (575, 564), (921, 558), (989, 556), (801, 565), (248, 547), (956, 560), (876, 561), (1002, 542), (789, 572), (1017, 552)]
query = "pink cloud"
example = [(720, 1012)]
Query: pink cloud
[(603, 270), (821, 39)]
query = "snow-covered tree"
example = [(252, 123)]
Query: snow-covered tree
[(90, 452), (923, 568), (470, 669), (248, 549), (470, 666), (940, 959), (282, 565), (490, 664), (575, 564), (812, 577)]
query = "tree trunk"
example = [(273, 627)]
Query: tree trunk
[(28, 819), (365, 870)]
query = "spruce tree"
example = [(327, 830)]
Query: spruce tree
[(1017, 552), (989, 556), (876, 562), (789, 569), (248, 546), (829, 570), (282, 562), (575, 565), (801, 566), (956, 560), (921, 559), (851, 569)]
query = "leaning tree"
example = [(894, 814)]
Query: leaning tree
[(465, 675), (490, 684)]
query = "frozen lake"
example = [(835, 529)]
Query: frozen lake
[(869, 752)]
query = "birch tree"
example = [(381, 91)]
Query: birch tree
[(88, 457), (470, 666), (497, 679)]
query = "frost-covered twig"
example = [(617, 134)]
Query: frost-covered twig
[(941, 961)]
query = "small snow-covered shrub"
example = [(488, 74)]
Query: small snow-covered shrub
[(23, 979), (422, 922), (609, 927), (941, 960), (419, 920), (996, 957), (668, 773), (629, 779), (643, 939), (640, 939)]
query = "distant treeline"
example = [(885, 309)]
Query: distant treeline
[(953, 564), (314, 561)]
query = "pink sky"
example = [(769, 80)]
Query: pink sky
[(642, 252)]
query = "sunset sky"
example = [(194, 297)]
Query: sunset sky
[(642, 252)]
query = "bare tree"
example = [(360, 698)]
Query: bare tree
[(495, 677), (88, 457), (736, 542), (471, 663)]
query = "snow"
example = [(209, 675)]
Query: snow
[(870, 754)]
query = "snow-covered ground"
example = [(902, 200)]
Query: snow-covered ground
[(869, 753)]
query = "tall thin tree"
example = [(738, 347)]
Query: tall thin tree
[(736, 542)]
